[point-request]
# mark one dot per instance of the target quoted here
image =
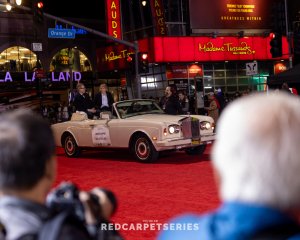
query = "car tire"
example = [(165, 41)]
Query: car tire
[(143, 149), (199, 150), (70, 146)]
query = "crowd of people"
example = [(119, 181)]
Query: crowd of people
[(212, 104), (173, 102)]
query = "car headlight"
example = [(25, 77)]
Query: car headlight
[(174, 129), (205, 125)]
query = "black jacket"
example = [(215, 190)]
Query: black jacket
[(83, 102), (170, 105), (98, 100), (22, 217)]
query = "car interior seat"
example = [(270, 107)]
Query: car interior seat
[(79, 116)]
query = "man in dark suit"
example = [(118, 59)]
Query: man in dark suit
[(83, 102), (170, 102), (103, 99)]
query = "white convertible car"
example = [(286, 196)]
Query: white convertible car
[(139, 125)]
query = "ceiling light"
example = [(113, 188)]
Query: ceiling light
[(8, 5)]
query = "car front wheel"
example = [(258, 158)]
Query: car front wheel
[(70, 146), (143, 149)]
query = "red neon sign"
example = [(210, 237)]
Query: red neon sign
[(191, 49), (114, 57), (158, 17), (113, 18)]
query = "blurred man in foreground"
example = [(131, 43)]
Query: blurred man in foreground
[(257, 165), (27, 172)]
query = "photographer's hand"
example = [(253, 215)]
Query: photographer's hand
[(107, 208), (91, 211)]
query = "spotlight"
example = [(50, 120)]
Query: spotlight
[(144, 2), (18, 2), (8, 5)]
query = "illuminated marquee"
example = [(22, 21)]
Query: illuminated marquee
[(205, 49), (31, 77), (241, 12), (230, 14), (113, 55), (113, 18), (242, 48), (159, 18), (191, 49)]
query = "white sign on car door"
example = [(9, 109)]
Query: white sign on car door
[(100, 136)]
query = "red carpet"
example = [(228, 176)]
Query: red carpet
[(176, 184)]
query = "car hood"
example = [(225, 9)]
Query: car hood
[(164, 118), (157, 117)]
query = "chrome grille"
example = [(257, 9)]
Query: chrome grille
[(186, 128), (190, 128), (195, 128)]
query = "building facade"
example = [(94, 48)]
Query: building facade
[(224, 40), (33, 63)]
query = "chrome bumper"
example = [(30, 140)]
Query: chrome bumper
[(180, 143)]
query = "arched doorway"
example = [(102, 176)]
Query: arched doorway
[(17, 59), (68, 58)]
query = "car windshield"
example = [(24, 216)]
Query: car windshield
[(137, 107)]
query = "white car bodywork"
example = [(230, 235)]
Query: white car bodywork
[(139, 125)]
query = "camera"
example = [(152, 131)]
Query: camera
[(66, 197), (101, 203)]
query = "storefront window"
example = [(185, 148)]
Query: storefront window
[(232, 77), (219, 73), (230, 73), (243, 81), (220, 81), (66, 58), (231, 81), (17, 59), (154, 83)]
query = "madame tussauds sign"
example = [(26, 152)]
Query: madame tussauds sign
[(243, 48), (31, 76)]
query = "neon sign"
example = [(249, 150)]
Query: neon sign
[(112, 56), (77, 30), (31, 77), (113, 18), (158, 15), (243, 48)]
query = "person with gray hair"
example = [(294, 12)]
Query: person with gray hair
[(27, 173), (256, 161), (82, 101)]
